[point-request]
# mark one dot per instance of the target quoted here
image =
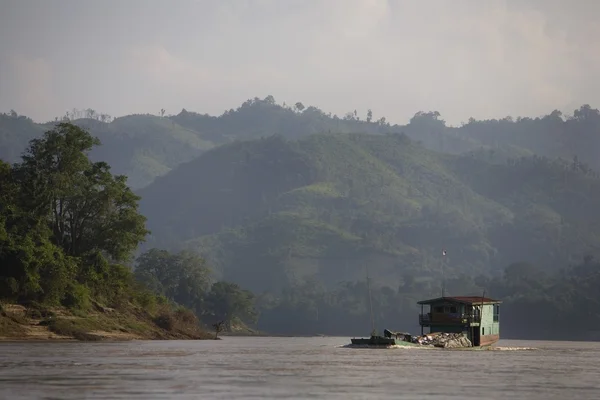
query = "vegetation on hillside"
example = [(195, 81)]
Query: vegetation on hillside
[(186, 279), (293, 204), (68, 226), (270, 211), (143, 147), (272, 214)]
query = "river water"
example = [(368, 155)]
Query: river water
[(299, 368)]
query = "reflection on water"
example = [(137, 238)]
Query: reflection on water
[(253, 368)]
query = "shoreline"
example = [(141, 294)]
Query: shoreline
[(32, 324), (35, 324)]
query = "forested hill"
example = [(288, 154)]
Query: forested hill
[(146, 146), (138, 146), (293, 204), (270, 213)]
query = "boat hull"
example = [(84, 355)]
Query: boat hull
[(374, 341), (488, 340)]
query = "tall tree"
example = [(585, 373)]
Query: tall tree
[(87, 208)]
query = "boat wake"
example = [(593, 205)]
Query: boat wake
[(393, 346), (502, 348), (403, 347)]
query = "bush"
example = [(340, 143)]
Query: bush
[(77, 296), (71, 328), (146, 300), (165, 321), (9, 287), (186, 316)]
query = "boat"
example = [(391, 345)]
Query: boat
[(389, 338), (374, 340)]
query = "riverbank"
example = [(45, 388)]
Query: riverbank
[(18, 322)]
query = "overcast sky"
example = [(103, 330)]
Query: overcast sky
[(460, 57)]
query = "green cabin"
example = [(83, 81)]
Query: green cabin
[(476, 317)]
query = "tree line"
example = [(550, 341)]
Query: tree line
[(537, 304), (68, 231)]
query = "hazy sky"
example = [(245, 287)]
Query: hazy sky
[(461, 57)]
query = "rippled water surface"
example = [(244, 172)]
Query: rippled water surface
[(277, 368)]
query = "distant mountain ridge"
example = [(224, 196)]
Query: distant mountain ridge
[(144, 147)]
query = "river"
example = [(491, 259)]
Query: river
[(299, 368)]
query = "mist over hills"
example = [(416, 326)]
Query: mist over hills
[(292, 202)]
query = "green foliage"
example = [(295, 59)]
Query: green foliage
[(77, 296), (33, 267), (272, 212), (146, 299), (183, 278), (230, 302), (88, 208), (78, 329), (63, 222)]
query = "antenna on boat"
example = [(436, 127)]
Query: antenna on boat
[(370, 303), (443, 277)]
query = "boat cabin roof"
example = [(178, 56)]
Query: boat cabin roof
[(462, 300)]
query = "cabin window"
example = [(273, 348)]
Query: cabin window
[(483, 331), (445, 309), (496, 312)]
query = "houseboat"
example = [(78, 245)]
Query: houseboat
[(476, 317)]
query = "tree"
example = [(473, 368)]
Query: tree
[(219, 326), (299, 106), (183, 278), (87, 208), (369, 115), (229, 302), (7, 197), (32, 267)]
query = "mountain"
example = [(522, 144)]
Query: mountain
[(269, 213), (146, 146), (138, 146), (295, 204)]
